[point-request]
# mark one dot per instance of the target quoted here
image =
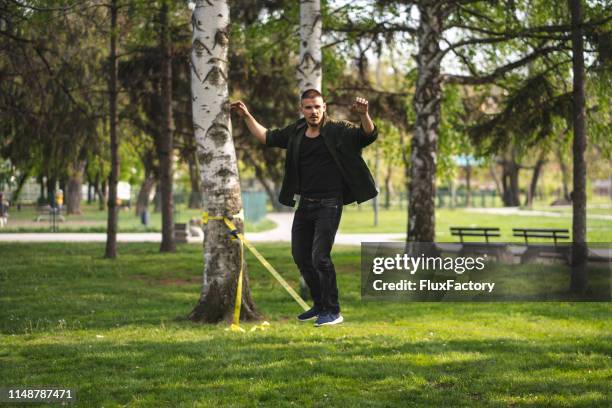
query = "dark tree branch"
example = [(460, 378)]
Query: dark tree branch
[(500, 71), (493, 40), (466, 62), (15, 38), (476, 14), (59, 83), (379, 28), (369, 89), (81, 5), (559, 28), (46, 9)]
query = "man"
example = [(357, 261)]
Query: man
[(323, 165)]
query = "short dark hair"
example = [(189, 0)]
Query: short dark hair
[(311, 93)]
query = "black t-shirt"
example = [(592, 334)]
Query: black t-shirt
[(319, 173)]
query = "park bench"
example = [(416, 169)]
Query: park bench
[(42, 212), (45, 212), (184, 231), (544, 250), (181, 232), (485, 232), (499, 250)]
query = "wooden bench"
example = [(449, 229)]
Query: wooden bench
[(42, 212), (499, 250), (181, 232), (486, 232), (543, 250), (45, 212), (551, 233)]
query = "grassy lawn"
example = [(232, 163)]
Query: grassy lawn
[(116, 331), (94, 220), (355, 220)]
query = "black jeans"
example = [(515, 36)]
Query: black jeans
[(312, 236)]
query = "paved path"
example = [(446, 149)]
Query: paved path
[(282, 233)]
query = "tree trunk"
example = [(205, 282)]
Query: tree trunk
[(51, 181), (564, 177), (165, 142), (510, 182), (388, 186), (537, 169), (157, 199), (468, 185), (498, 185), (142, 201), (426, 103), (375, 203), (100, 187), (579, 244), (22, 180), (218, 166), (195, 196), (407, 169), (73, 188), (309, 71), (111, 227), (41, 194)]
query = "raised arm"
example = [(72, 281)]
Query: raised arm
[(360, 106), (255, 127)]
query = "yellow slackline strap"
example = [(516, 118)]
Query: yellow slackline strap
[(276, 275), (235, 326), (266, 265), (238, 302)]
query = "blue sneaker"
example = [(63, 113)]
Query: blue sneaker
[(328, 319), (310, 314)]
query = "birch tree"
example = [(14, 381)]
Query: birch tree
[(218, 166), (426, 103), (480, 26), (309, 70)]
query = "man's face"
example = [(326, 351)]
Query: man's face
[(312, 109)]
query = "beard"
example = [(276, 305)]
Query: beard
[(314, 122)]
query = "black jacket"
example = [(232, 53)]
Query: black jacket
[(344, 141)]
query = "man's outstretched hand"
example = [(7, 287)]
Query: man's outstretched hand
[(240, 108), (254, 127), (360, 106)]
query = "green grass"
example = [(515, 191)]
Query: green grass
[(356, 220), (116, 331), (94, 220)]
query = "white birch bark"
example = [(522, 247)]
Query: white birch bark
[(309, 70), (426, 103), (217, 159)]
